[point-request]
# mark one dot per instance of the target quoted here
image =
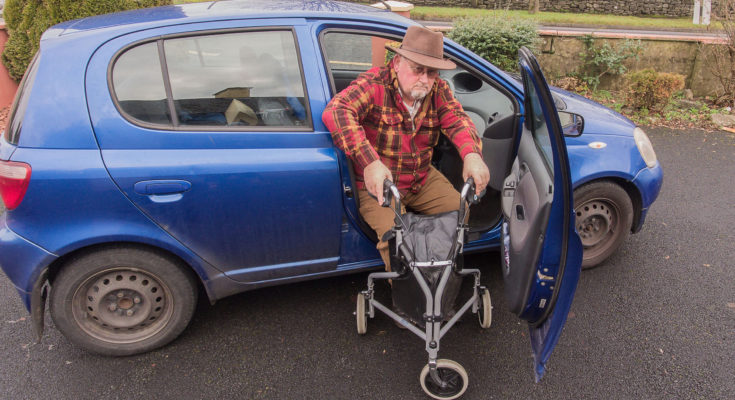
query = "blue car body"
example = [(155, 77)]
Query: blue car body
[(242, 209)]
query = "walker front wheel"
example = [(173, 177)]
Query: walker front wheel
[(453, 376), (485, 310), (360, 314)]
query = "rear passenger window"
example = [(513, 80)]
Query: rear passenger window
[(236, 80), (20, 103), (139, 85)]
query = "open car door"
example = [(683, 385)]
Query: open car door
[(542, 253)]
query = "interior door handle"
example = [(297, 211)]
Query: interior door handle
[(161, 187), (520, 213)]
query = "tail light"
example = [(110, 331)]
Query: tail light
[(14, 178)]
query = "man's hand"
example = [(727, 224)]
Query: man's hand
[(474, 167), (374, 174)]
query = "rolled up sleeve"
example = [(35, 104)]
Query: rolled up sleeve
[(343, 116)]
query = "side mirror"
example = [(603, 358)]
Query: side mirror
[(572, 124)]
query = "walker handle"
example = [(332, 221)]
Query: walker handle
[(389, 190), (468, 193)]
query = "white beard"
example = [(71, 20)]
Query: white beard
[(419, 93)]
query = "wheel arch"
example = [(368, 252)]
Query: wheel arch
[(55, 267)]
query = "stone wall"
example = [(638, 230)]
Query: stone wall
[(669, 8), (689, 58)]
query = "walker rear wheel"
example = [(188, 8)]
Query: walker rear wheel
[(360, 315), (451, 373), (485, 310)]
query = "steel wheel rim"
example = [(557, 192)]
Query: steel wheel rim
[(597, 220), (122, 305)]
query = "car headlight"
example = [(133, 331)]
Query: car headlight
[(644, 147)]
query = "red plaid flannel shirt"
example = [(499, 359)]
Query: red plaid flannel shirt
[(369, 121)]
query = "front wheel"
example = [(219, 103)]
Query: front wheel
[(451, 373), (604, 216), (122, 301)]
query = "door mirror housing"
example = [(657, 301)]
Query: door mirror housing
[(572, 124)]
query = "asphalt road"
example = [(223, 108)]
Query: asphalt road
[(657, 321)]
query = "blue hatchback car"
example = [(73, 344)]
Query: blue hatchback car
[(155, 154)]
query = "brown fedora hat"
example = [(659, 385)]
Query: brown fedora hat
[(424, 47)]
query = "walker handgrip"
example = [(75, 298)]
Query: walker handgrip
[(468, 192), (386, 192), (390, 191)]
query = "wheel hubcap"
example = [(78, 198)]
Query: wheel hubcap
[(122, 305), (595, 220)]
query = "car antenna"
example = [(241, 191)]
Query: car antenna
[(387, 6)]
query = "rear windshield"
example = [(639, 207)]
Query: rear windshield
[(12, 129)]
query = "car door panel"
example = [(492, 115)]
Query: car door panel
[(527, 214), (542, 253), (259, 204)]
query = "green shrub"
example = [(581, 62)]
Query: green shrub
[(28, 19), (598, 61), (496, 38), (652, 90)]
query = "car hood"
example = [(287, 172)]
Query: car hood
[(598, 119)]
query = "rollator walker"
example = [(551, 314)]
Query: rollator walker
[(427, 272)]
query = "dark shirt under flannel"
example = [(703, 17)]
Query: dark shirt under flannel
[(369, 121)]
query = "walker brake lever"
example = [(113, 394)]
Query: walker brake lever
[(477, 197)]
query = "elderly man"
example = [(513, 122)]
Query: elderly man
[(388, 121)]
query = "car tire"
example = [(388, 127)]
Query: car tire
[(604, 216), (122, 301)]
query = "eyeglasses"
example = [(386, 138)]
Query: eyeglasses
[(419, 70)]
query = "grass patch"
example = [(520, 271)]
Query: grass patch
[(558, 18), (550, 18)]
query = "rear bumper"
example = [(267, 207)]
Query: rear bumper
[(649, 181), (22, 261)]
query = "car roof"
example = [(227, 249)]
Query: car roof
[(218, 10)]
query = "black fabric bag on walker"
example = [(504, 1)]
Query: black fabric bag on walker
[(428, 238)]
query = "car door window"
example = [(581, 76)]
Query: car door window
[(237, 80), (350, 53), (138, 83), (536, 123)]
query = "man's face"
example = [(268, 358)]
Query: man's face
[(415, 80)]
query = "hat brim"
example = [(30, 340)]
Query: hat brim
[(421, 59)]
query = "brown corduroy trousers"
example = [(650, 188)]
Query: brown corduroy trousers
[(436, 196)]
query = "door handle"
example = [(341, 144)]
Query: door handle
[(161, 187), (520, 213)]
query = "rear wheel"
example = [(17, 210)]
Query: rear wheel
[(604, 216), (360, 315), (122, 301), (485, 309)]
